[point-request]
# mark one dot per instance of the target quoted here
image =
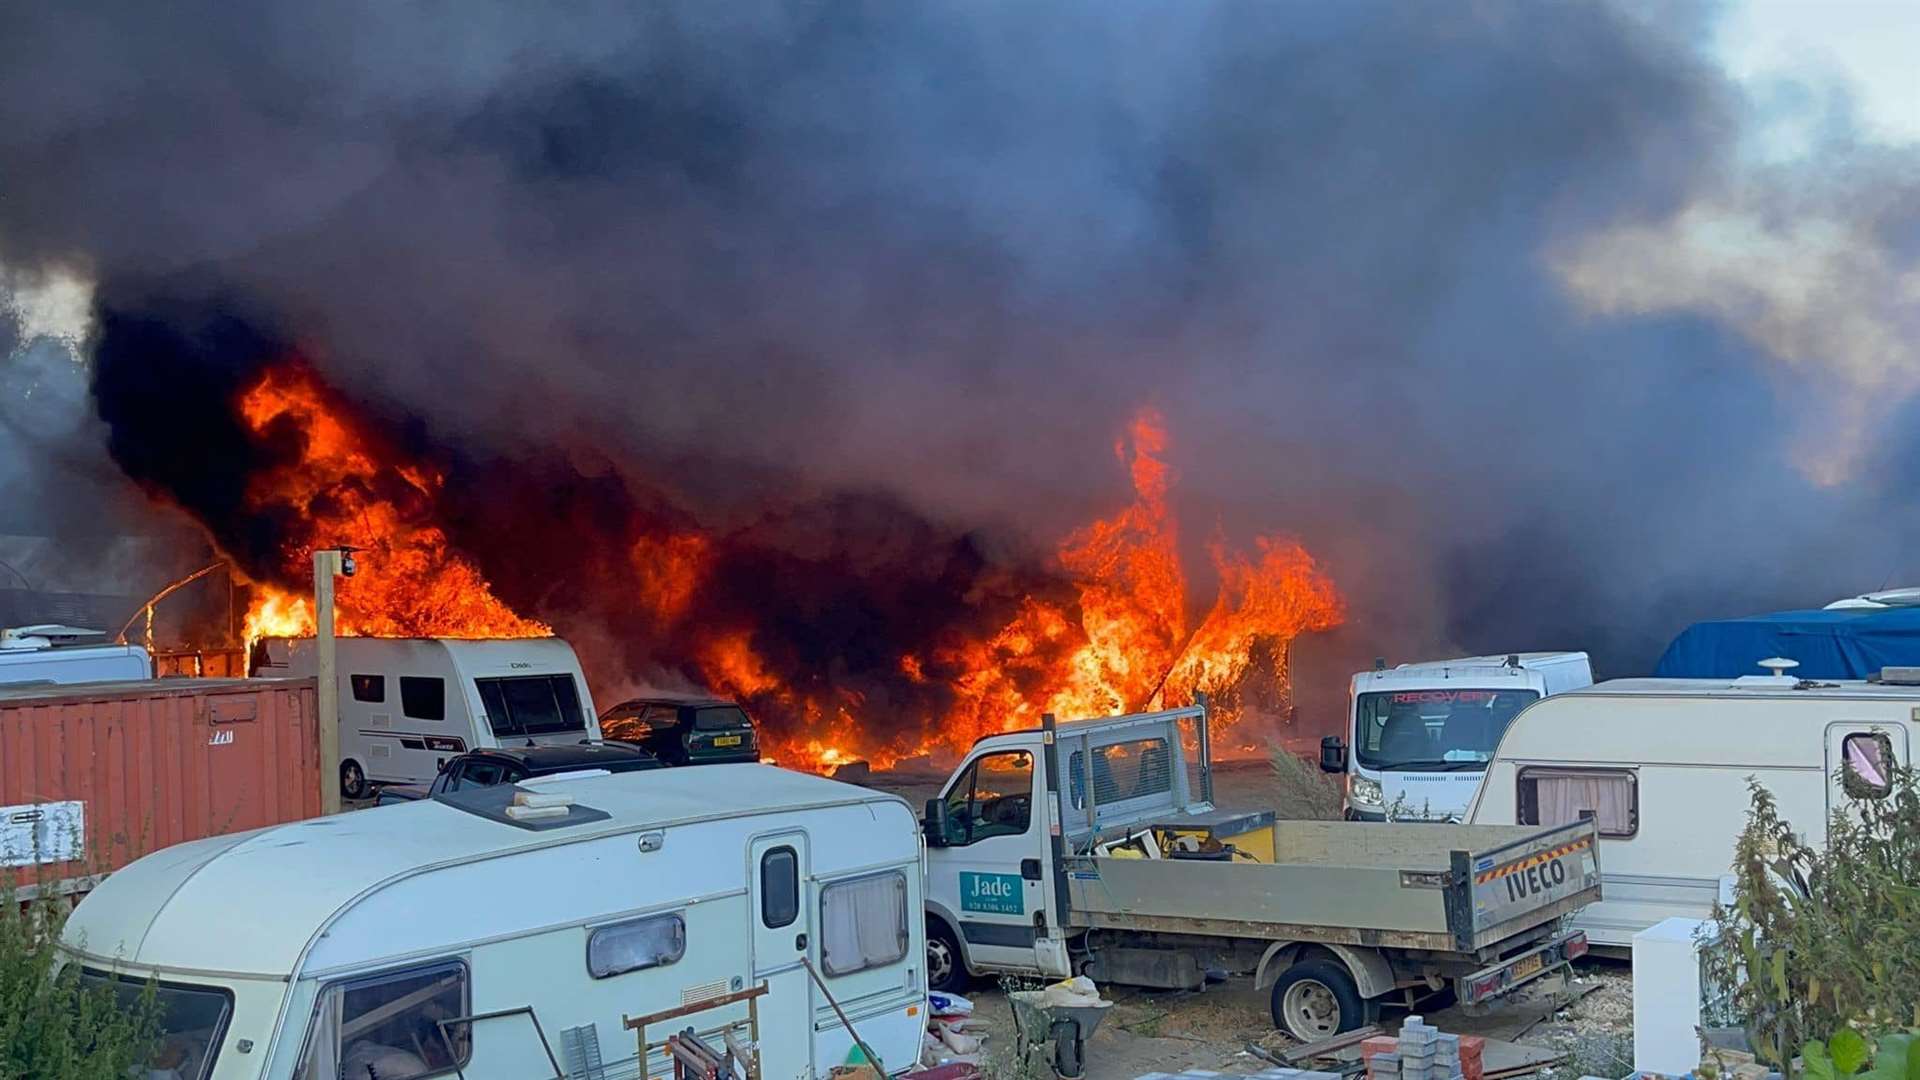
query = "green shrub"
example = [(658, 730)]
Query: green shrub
[(1823, 940), (1848, 1054), (52, 1026)]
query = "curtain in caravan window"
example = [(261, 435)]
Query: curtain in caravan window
[(1561, 797), (863, 923)]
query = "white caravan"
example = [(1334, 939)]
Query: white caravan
[(409, 704), (1663, 765), (1419, 735), (48, 653), (413, 940)]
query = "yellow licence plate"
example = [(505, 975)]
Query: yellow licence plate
[(1528, 965), (727, 740)]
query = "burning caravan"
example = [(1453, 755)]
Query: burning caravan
[(754, 905), (409, 704)]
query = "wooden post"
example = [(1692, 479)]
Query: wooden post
[(326, 564)]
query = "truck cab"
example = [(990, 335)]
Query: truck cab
[(1419, 736)]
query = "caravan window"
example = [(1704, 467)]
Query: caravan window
[(779, 887), (1554, 797), (388, 1025), (655, 941), (532, 704), (863, 923), (423, 698), (192, 1019), (371, 688), (1865, 757)]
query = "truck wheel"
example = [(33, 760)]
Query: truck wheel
[(946, 968), (1316, 999), (353, 782)]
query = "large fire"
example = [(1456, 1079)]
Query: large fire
[(1127, 635), (346, 492)]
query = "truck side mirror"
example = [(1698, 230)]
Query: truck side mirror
[(1333, 754), (935, 824)]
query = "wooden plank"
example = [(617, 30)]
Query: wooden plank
[(1329, 1045)]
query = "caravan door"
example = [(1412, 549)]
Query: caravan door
[(782, 898), (1860, 758)]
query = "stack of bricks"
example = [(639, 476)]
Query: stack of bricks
[(1422, 1053)]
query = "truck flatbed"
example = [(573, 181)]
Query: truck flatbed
[(1409, 886)]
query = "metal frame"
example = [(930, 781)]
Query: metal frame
[(752, 995), (460, 1070)]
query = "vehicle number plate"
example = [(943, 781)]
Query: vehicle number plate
[(727, 740), (1528, 965)]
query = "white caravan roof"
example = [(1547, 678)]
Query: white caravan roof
[(250, 902), (1749, 686)]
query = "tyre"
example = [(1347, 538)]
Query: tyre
[(353, 782), (1316, 999), (946, 968)]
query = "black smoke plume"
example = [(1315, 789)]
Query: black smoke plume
[(903, 270)]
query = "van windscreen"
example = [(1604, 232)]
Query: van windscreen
[(1433, 730), (532, 704)]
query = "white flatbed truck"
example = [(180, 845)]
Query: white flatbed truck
[(1094, 847)]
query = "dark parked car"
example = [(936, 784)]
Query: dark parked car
[(684, 731), (510, 765)]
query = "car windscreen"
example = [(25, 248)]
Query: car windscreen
[(1433, 729), (191, 1020), (720, 718), (531, 704)]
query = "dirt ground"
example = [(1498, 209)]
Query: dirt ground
[(1588, 1019), (1171, 1031)]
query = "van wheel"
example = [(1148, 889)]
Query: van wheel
[(353, 782), (946, 968), (1316, 999)]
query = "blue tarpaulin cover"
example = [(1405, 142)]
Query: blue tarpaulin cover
[(1843, 644)]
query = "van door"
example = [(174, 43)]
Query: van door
[(993, 872), (1859, 760), (782, 906)]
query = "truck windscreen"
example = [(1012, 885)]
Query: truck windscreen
[(1433, 729)]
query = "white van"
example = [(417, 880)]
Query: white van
[(409, 704), (1419, 735), (445, 934), (49, 653), (1664, 764)]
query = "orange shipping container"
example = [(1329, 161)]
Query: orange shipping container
[(95, 776)]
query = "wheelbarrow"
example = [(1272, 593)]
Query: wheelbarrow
[(1068, 1027)]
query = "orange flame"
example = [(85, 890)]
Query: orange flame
[(341, 486), (1127, 642)]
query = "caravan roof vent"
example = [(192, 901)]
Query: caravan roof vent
[(1900, 676), (1777, 668)]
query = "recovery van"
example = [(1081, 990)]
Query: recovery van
[(1094, 847), (1419, 735)]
